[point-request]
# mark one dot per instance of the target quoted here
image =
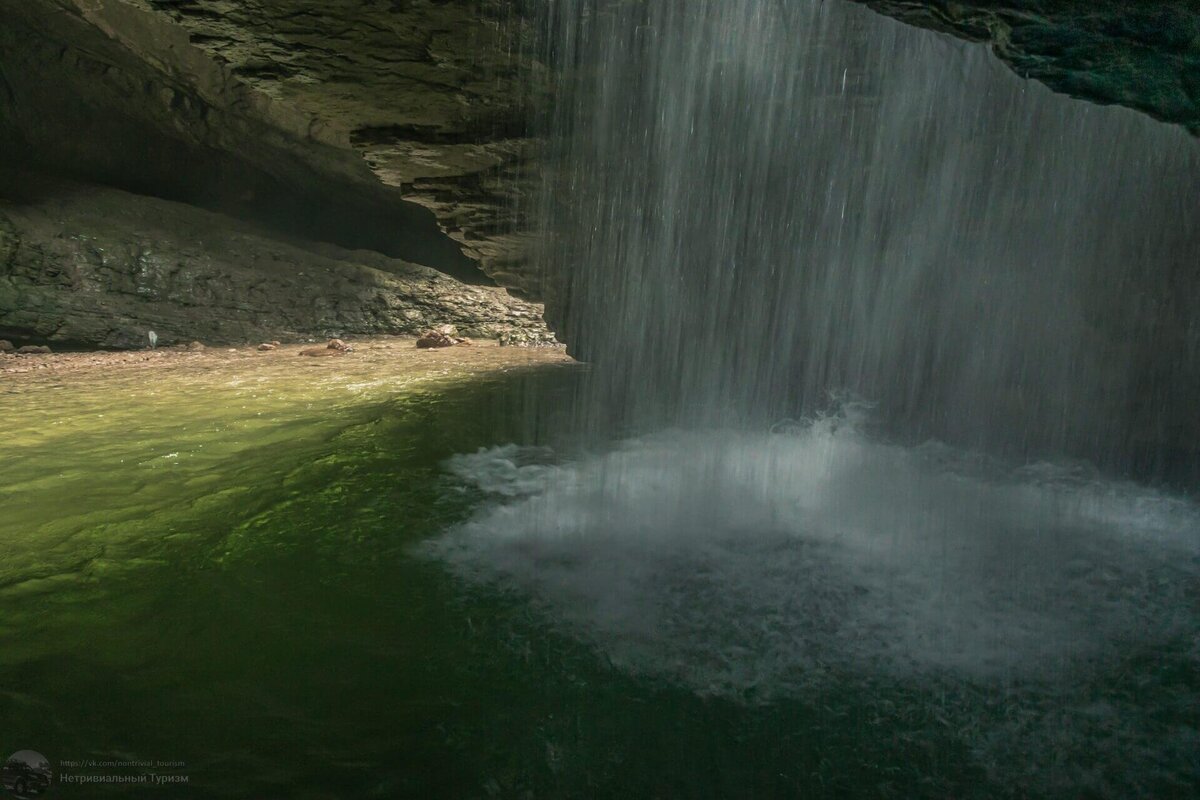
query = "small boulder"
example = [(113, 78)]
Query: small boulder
[(33, 350), (435, 338), (6, 346), (526, 338), (195, 346), (319, 352), (338, 344), (266, 346), (463, 341)]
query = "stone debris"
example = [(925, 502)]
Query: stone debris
[(435, 338), (195, 346), (6, 346), (34, 350), (267, 346), (524, 338), (335, 347), (442, 336)]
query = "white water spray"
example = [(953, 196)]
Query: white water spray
[(737, 561)]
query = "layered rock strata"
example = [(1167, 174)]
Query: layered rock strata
[(82, 265)]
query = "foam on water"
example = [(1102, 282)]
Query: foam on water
[(734, 561)]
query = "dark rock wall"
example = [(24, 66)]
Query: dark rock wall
[(1144, 55)]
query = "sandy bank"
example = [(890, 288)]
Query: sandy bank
[(371, 357)]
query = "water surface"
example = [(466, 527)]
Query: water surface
[(300, 583)]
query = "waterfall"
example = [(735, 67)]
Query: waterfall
[(858, 300), (761, 205)]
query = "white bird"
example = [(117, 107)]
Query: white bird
[(153, 340)]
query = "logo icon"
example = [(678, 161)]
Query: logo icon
[(27, 774)]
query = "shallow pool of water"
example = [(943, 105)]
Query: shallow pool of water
[(337, 582)]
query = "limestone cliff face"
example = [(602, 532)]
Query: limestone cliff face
[(398, 126), (90, 266)]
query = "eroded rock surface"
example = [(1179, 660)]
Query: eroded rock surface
[(431, 94), (100, 267)]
